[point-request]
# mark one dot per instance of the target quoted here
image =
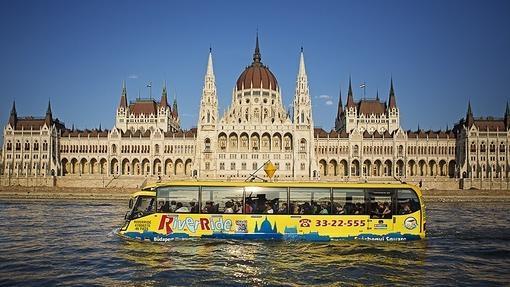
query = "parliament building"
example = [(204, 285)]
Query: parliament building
[(367, 143)]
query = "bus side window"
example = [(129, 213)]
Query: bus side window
[(407, 201), (266, 200), (179, 199), (310, 200), (381, 203), (349, 201), (222, 199)]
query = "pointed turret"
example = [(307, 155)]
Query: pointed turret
[(164, 97), (377, 95), (210, 69), (48, 119), (469, 116), (123, 96), (350, 97), (13, 118), (174, 110), (507, 116), (256, 55), (392, 103), (302, 69), (208, 114), (340, 110), (339, 113), (302, 103)]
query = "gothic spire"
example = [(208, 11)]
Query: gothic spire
[(340, 105), (392, 103), (507, 116), (175, 110), (14, 116), (13, 109), (123, 96), (256, 56), (48, 110), (210, 70), (302, 70), (469, 116), (350, 97), (48, 119), (164, 97)]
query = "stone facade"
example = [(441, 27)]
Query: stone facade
[(367, 143)]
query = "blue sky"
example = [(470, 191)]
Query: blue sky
[(441, 54)]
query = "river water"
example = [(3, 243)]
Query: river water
[(62, 242)]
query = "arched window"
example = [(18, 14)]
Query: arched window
[(502, 147), (302, 145), (473, 147), (492, 147), (207, 144)]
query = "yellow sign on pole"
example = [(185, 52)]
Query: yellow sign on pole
[(270, 169)]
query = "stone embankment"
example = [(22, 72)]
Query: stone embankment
[(80, 193)]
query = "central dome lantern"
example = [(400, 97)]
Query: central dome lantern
[(257, 76)]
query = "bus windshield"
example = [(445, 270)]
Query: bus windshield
[(143, 205)]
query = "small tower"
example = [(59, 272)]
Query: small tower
[(470, 120), (392, 111), (122, 110), (339, 122), (208, 115), (48, 119), (507, 117), (351, 111), (303, 123), (207, 123), (13, 118), (302, 103)]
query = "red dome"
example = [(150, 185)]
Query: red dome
[(257, 75)]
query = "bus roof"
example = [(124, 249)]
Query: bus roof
[(322, 184)]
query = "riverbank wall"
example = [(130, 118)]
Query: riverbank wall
[(135, 182)]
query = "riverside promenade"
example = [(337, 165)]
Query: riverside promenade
[(106, 194)]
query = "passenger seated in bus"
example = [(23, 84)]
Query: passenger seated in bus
[(377, 210), (150, 207), (283, 209), (268, 208), (193, 207), (260, 205), (405, 208), (386, 211), (294, 207), (161, 205), (229, 207), (324, 209), (237, 207), (173, 206), (349, 208), (339, 209), (208, 208), (306, 208), (358, 208), (248, 205), (181, 208)]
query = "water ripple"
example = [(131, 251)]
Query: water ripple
[(74, 243)]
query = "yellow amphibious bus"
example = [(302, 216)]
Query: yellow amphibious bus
[(316, 211)]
